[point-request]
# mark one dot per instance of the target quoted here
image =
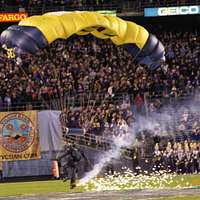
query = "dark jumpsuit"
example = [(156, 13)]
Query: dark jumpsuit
[(71, 166)]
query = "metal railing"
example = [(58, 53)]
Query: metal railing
[(68, 100), (99, 143), (95, 99), (146, 146)]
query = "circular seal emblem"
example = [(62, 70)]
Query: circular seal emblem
[(16, 132)]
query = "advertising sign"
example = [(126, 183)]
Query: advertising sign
[(12, 17), (169, 11)]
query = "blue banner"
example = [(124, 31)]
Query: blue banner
[(170, 11)]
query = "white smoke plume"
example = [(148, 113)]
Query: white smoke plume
[(114, 152), (160, 123)]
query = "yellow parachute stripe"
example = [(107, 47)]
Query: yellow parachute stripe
[(64, 24)]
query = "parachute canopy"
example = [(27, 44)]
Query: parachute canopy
[(37, 32)]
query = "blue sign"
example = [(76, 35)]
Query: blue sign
[(169, 11)]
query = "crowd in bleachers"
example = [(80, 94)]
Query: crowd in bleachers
[(188, 126), (92, 4), (50, 3), (85, 65), (99, 123), (98, 70), (182, 121), (177, 157), (81, 66)]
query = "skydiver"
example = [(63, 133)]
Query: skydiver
[(73, 156)]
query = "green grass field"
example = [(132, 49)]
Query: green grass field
[(36, 187), (57, 186)]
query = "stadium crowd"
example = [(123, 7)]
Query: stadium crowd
[(79, 3), (95, 70), (98, 73), (101, 124), (85, 65), (69, 3)]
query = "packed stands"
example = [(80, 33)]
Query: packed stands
[(96, 69), (101, 89)]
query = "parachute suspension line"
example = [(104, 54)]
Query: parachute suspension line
[(61, 104), (93, 117), (85, 105), (46, 104), (57, 102), (134, 58), (104, 98), (93, 103), (81, 100), (65, 100), (58, 97), (88, 103), (86, 120), (90, 93)]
